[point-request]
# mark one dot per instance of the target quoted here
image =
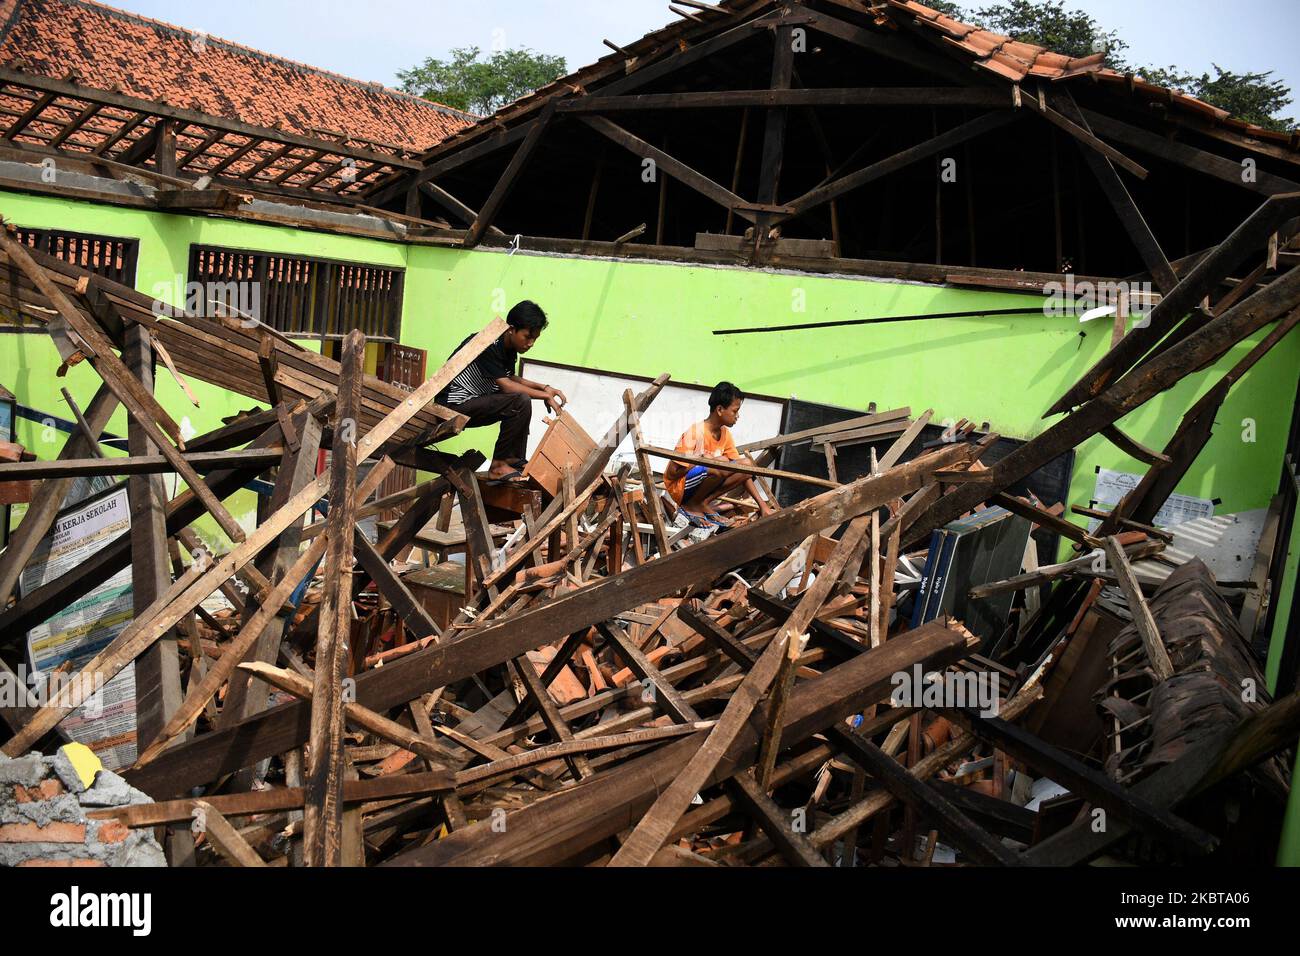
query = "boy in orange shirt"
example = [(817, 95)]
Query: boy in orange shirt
[(695, 488)]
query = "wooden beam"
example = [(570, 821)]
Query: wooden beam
[(1137, 605), (274, 732), (141, 404), (776, 823), (953, 137), (555, 722), (556, 829), (44, 506), (1045, 519), (665, 695), (959, 829), (149, 464), (223, 668), (647, 474), (157, 671), (844, 96), (1125, 208), (665, 163), (772, 155), (1092, 785), (322, 817), (1134, 449), (224, 838), (652, 831), (1081, 135), (188, 117), (850, 545), (379, 725), (1189, 157), (809, 434), (738, 467), (1204, 277), (279, 798), (508, 179), (297, 468)]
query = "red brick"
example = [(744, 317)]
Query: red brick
[(53, 833), (67, 861), (113, 831), (51, 788), (46, 790)]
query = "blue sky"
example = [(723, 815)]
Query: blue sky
[(372, 39)]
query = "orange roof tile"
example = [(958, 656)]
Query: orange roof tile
[(106, 48), (1014, 61)]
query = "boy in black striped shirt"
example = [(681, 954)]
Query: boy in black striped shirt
[(490, 390)]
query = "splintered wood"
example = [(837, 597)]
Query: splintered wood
[(577, 671)]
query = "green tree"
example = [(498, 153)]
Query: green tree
[(1252, 97), (1048, 24), (468, 82)]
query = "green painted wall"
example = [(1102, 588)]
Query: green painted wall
[(646, 318), (649, 318)]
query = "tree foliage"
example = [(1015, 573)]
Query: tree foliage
[(1252, 97), (467, 81)]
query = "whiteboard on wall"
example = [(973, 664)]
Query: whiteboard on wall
[(596, 398)]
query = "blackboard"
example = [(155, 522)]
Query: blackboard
[(1050, 484)]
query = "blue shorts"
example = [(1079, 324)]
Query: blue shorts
[(696, 474)]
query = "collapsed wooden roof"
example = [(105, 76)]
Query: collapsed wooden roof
[(839, 137), (747, 708)]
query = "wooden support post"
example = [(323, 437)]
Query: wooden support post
[(45, 503), (158, 685), (810, 602), (776, 823), (961, 830), (297, 469), (141, 404), (322, 820), (164, 155), (224, 838), (665, 695), (1143, 620), (735, 172), (157, 670), (773, 155), (555, 723), (647, 474)]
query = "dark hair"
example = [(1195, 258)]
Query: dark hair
[(723, 394), (527, 315)]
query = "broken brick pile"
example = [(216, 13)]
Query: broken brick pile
[(43, 822)]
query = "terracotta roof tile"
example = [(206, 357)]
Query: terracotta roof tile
[(1014, 61), (105, 48)]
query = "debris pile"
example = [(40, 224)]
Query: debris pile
[(880, 673)]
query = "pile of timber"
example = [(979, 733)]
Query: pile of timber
[(606, 695)]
